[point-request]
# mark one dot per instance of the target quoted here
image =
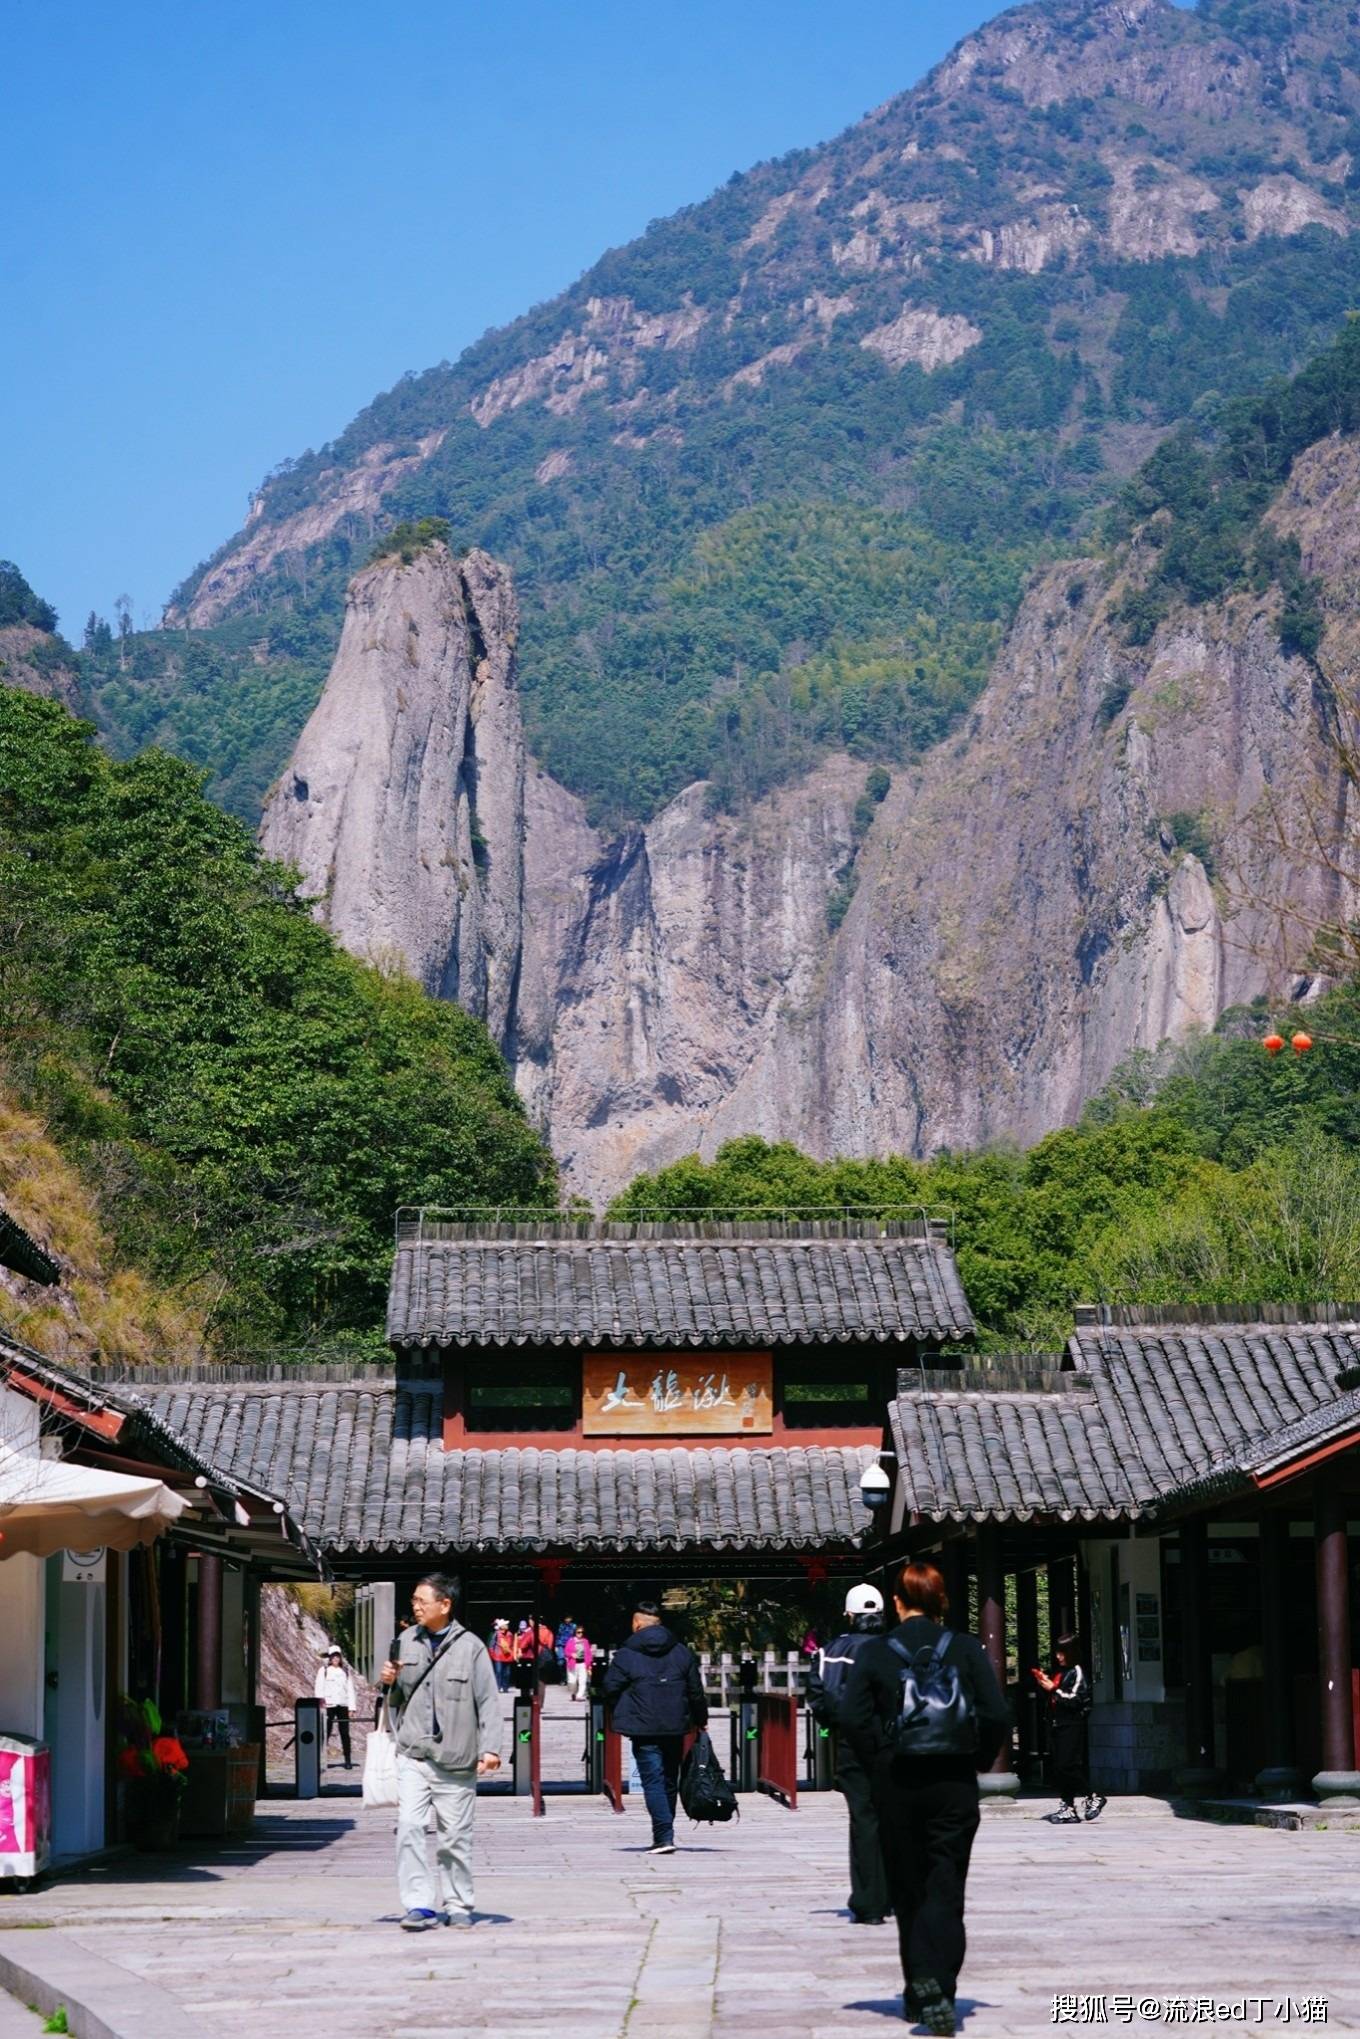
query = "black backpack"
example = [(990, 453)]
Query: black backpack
[(936, 1717), (704, 1791)]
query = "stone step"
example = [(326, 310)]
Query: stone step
[(1249, 1812)]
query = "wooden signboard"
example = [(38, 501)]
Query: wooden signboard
[(677, 1394)]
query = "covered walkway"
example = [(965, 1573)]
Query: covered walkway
[(582, 1937)]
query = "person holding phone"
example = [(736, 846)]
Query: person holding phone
[(448, 1735), (1069, 1734)]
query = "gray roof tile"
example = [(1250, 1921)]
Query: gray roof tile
[(1179, 1399), (365, 1469), (1150, 1416), (973, 1455), (730, 1285)]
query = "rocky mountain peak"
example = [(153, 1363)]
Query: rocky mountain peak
[(403, 806)]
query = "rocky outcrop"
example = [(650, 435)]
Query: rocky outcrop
[(613, 333), (924, 337), (403, 806), (1077, 874), (40, 663), (340, 494)]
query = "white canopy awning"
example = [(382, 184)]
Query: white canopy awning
[(47, 1505)]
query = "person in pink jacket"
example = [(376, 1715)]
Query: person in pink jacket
[(579, 1657)]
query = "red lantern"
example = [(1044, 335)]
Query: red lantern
[(1301, 1043), (1273, 1043)]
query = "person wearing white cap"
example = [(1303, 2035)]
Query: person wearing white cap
[(869, 1901), (335, 1689)]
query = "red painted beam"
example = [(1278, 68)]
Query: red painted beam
[(103, 1422), (1298, 1466)]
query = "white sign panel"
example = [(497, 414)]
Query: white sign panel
[(83, 1567)]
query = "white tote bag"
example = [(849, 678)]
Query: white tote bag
[(380, 1765)]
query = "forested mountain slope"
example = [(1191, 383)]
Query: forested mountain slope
[(770, 477), (1136, 828), (208, 1111)]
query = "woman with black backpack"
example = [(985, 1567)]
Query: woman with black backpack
[(925, 1713)]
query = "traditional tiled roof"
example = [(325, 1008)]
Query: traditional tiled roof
[(1180, 1400), (365, 1468), (673, 1285), (976, 1455), (22, 1253), (1150, 1419), (142, 1429)]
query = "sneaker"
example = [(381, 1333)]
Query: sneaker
[(934, 2009), (1065, 1816), (460, 1919), (1095, 1805), (662, 1848), (419, 1921)]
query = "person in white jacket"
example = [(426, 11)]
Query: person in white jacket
[(335, 1689)]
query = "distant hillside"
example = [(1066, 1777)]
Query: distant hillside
[(32, 655), (771, 476)]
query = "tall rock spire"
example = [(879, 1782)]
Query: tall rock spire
[(403, 804)]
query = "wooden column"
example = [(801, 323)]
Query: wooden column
[(208, 1636), (1279, 1777), (115, 1622), (1027, 1656), (172, 1691), (1338, 1779), (954, 1571), (1001, 1779), (1199, 1768), (1062, 1597)]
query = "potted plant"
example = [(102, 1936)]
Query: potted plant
[(152, 1764)]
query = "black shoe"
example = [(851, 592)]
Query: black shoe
[(868, 1918), (1095, 1805), (934, 2009), (1066, 1816)]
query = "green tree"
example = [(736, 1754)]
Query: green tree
[(257, 1102)]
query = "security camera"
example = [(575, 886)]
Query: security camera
[(875, 1488)]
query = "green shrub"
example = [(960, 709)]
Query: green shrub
[(409, 538)]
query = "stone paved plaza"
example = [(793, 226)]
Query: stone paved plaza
[(279, 1936)]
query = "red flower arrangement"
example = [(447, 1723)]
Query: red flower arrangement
[(146, 1750)]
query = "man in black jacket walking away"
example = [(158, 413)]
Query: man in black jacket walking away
[(655, 1696), (925, 1713), (826, 1687)]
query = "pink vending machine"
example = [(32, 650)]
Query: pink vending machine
[(25, 1806)]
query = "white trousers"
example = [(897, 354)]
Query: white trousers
[(577, 1679), (451, 1795)]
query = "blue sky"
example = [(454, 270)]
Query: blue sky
[(231, 223)]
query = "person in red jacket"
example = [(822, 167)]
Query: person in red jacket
[(502, 1648)]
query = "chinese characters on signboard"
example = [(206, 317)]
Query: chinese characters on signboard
[(677, 1394)]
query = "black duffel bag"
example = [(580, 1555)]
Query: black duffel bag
[(704, 1791)]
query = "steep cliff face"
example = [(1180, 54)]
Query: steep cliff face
[(665, 967), (403, 806), (1046, 893), (40, 662)]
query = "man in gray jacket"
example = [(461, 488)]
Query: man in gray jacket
[(448, 1735)]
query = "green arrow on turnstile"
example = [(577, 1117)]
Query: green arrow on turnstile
[(526, 1734)]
